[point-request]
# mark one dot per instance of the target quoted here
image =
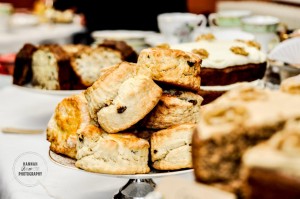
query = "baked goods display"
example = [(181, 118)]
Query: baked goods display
[(236, 121), (67, 67), (272, 168), (115, 137), (225, 64)]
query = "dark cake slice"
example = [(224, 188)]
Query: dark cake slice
[(22, 70)]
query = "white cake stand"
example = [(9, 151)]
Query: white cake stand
[(138, 185)]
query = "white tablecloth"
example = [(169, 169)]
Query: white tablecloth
[(13, 40), (21, 108)]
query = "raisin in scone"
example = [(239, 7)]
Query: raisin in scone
[(135, 98), (171, 148), (122, 153), (23, 62), (51, 68), (173, 67), (174, 107), (106, 88), (88, 62), (239, 119), (70, 115)]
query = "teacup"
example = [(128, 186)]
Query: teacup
[(227, 18), (180, 27), (264, 29)]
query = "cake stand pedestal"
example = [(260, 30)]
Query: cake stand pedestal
[(135, 189), (138, 185)]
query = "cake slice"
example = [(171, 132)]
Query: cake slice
[(88, 62), (23, 70), (51, 69), (241, 118), (272, 169)]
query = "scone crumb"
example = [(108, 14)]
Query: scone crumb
[(208, 37), (239, 50), (202, 52)]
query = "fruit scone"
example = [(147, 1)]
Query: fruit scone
[(172, 67), (225, 64), (70, 115), (171, 148), (174, 107), (239, 119), (122, 96), (119, 153)]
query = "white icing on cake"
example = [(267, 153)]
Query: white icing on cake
[(220, 55)]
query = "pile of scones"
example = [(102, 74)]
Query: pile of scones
[(136, 117)]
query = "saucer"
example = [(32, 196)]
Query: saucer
[(220, 34)]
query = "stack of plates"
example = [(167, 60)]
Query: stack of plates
[(134, 38)]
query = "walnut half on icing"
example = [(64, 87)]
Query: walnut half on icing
[(239, 50), (202, 52), (208, 37), (250, 43)]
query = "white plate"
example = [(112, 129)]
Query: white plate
[(28, 87), (19, 20), (156, 39), (121, 34)]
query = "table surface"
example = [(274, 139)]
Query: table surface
[(13, 40), (23, 109)]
